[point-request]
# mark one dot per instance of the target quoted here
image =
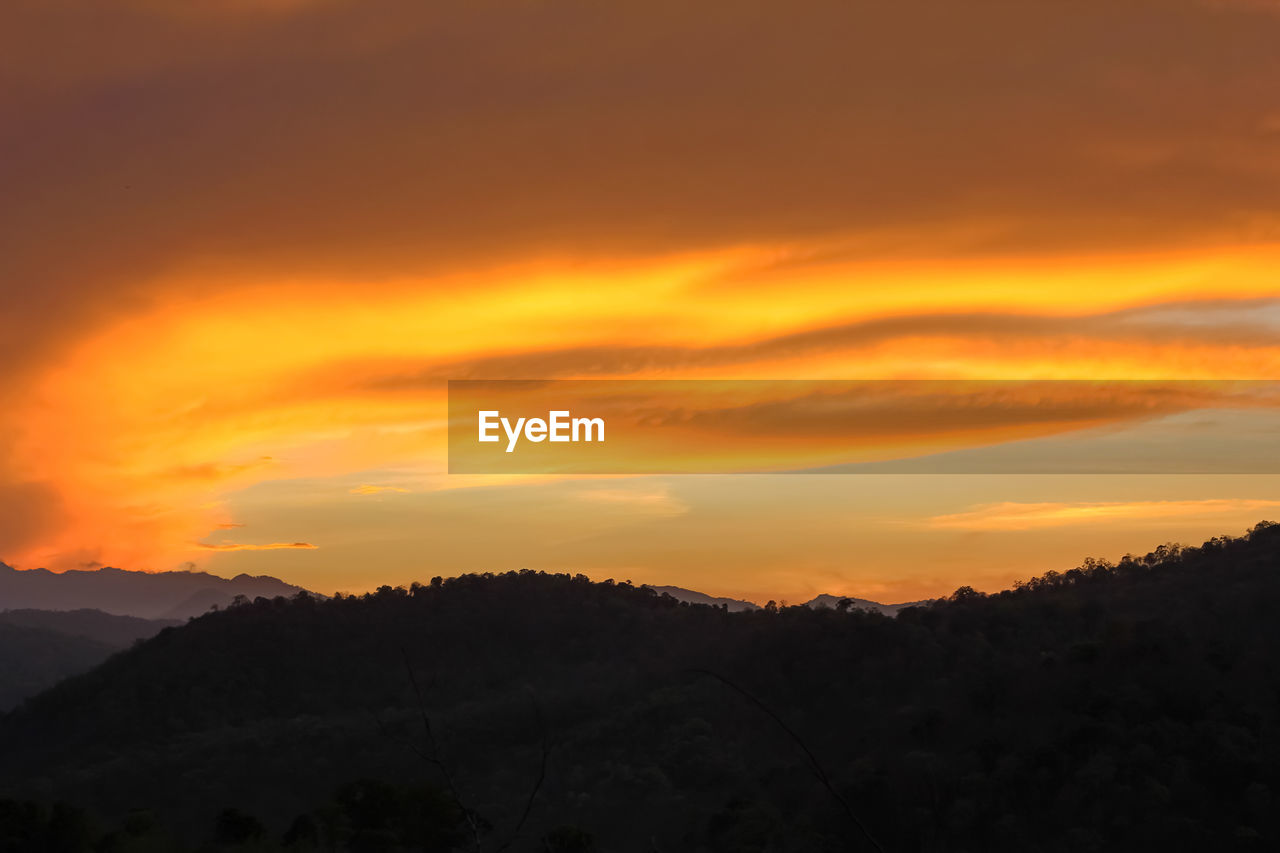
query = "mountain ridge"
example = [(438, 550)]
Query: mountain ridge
[(39, 648), (200, 591), (825, 600), (820, 601), (125, 592)]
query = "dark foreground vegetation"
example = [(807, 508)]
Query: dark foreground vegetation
[(1112, 707)]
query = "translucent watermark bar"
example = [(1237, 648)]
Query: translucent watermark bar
[(632, 426)]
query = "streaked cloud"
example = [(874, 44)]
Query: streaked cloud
[(272, 546), (643, 498), (370, 489), (382, 142), (1007, 516)]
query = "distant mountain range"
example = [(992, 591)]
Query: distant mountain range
[(693, 597), (833, 601), (182, 595), (820, 602), (159, 595), (53, 626), (106, 628)]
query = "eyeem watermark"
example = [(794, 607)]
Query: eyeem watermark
[(559, 426), (688, 426)]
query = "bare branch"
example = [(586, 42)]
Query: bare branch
[(542, 774), (433, 755), (813, 759)]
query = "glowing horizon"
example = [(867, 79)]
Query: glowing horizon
[(246, 247)]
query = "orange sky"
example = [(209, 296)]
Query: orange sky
[(244, 245)]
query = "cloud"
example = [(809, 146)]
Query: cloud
[(1008, 516), (362, 140), (368, 489), (214, 471), (274, 546), (1205, 325), (644, 500), (243, 230)]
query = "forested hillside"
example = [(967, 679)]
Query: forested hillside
[(1111, 707), (38, 648), (34, 658), (108, 628)]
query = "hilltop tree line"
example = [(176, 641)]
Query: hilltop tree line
[(1121, 706)]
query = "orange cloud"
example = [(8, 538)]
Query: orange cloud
[(368, 489), (274, 546), (363, 207), (141, 432), (1028, 516), (640, 500)]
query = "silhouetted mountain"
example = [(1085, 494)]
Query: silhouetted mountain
[(1133, 706), (689, 596), (39, 648), (107, 628), (737, 605), (826, 601), (33, 659), (158, 595), (206, 599)]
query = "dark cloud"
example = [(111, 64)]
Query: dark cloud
[(271, 546), (365, 139), (1217, 323), (904, 410)]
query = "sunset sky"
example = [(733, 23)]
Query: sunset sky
[(244, 245)]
